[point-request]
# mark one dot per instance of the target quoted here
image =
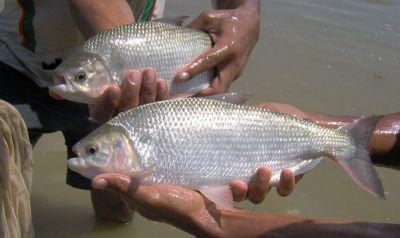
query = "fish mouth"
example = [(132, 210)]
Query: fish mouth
[(58, 86), (82, 167), (75, 163)]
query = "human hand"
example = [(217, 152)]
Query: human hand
[(184, 208), (235, 33), (258, 186), (159, 202), (138, 88)]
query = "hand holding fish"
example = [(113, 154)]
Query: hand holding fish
[(235, 33), (259, 185), (138, 88), (160, 202), (166, 202)]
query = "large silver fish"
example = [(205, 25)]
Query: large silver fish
[(105, 58), (204, 144)]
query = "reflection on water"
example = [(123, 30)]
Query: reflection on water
[(338, 57)]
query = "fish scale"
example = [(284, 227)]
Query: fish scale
[(162, 46), (194, 143)]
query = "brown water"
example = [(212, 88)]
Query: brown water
[(335, 57)]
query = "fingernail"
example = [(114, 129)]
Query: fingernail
[(101, 183), (163, 86), (134, 78), (112, 95), (149, 74), (149, 77), (183, 76), (262, 175)]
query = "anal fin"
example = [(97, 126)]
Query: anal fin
[(221, 196)]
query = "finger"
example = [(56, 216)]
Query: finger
[(286, 183), (218, 86), (148, 88), (259, 185), (239, 190), (106, 104), (221, 83), (206, 60), (162, 90), (130, 91), (117, 182)]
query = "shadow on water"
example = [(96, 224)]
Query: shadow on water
[(52, 219), (311, 229)]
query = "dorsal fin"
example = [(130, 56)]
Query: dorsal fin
[(176, 20), (233, 97)]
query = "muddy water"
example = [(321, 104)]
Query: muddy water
[(335, 57)]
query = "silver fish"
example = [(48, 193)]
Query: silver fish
[(105, 58), (204, 144)]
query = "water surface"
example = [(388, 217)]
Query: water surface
[(333, 57)]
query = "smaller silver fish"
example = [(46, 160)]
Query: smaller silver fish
[(105, 59)]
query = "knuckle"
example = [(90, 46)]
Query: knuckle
[(153, 199), (207, 14), (210, 59), (235, 47)]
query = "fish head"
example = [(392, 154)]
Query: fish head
[(105, 150), (81, 77)]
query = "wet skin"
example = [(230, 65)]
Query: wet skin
[(234, 31)]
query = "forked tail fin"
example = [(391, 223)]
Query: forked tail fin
[(358, 162)]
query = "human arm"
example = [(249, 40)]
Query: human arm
[(234, 28), (190, 211), (95, 16)]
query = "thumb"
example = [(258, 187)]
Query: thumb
[(201, 21), (117, 182)]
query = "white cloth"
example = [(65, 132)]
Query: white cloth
[(16, 168)]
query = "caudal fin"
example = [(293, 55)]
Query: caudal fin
[(358, 162)]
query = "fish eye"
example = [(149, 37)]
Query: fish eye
[(80, 76), (91, 149)]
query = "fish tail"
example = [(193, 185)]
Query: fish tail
[(357, 163)]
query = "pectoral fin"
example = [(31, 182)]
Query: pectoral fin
[(143, 173), (221, 196)]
